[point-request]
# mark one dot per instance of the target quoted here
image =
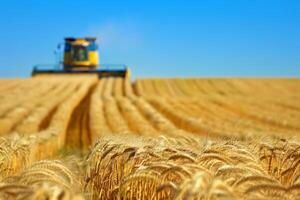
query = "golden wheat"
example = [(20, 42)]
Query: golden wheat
[(152, 139)]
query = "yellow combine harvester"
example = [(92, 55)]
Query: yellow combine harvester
[(81, 57)]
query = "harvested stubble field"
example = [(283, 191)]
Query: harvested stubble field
[(66, 137)]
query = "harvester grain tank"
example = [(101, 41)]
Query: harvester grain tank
[(81, 56)]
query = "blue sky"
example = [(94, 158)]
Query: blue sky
[(158, 38)]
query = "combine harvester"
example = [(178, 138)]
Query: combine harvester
[(81, 57)]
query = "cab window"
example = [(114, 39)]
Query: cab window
[(79, 53)]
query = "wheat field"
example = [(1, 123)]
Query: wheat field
[(80, 137)]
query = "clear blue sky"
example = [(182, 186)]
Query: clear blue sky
[(158, 38)]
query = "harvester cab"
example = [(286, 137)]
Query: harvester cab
[(80, 56)]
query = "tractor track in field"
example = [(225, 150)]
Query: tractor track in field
[(78, 134)]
